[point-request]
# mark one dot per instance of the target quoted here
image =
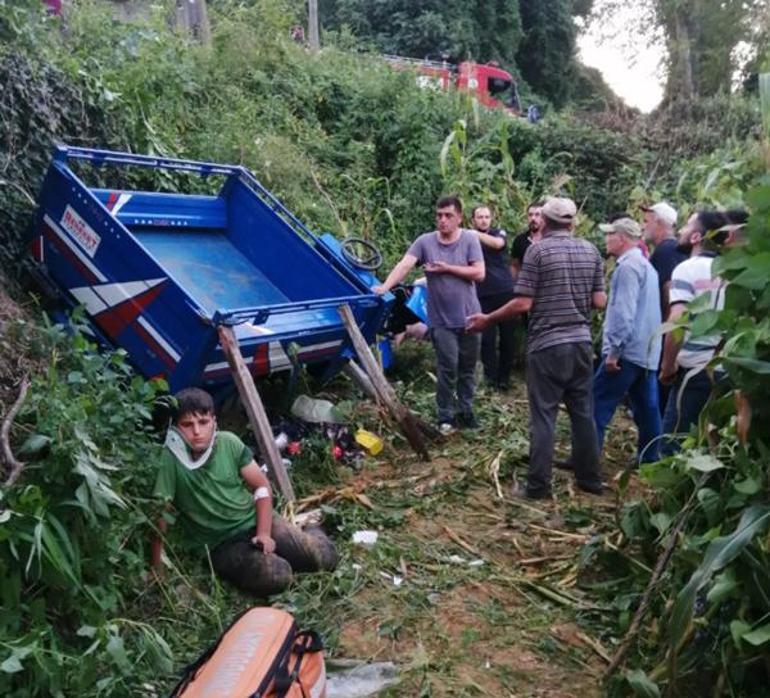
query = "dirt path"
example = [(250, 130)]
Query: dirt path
[(471, 593)]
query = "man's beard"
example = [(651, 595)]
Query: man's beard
[(684, 248), (534, 228)]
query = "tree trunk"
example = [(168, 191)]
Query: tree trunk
[(680, 85), (191, 17)]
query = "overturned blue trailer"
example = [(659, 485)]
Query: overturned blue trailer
[(158, 272)]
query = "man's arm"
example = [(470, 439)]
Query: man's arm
[(156, 545), (473, 271), (263, 503), (671, 346), (665, 303), (518, 306), (397, 274), (598, 300), (620, 320), (493, 242)]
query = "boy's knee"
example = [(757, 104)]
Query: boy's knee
[(265, 576), (324, 548)]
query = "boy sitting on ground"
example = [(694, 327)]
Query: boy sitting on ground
[(225, 503)]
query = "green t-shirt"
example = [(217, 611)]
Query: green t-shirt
[(213, 500)]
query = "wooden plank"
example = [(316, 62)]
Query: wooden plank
[(403, 416), (359, 377), (255, 411)]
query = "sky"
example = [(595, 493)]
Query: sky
[(634, 74)]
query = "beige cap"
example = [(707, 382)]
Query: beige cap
[(627, 226), (666, 212), (559, 209)]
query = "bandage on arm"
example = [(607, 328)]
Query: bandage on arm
[(261, 493)]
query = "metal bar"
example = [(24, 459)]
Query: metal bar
[(238, 315), (275, 204), (67, 152)]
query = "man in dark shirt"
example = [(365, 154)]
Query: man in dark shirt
[(561, 279), (494, 291), (532, 234), (659, 225)]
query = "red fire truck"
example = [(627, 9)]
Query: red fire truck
[(490, 84)]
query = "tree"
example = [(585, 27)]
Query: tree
[(701, 37), (482, 30), (546, 55)]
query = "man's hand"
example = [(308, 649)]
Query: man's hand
[(437, 267), (612, 364), (265, 542), (380, 290), (667, 375), (477, 323)]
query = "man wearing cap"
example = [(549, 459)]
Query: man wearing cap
[(630, 343), (659, 230), (561, 279)]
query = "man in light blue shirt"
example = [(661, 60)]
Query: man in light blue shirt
[(630, 343)]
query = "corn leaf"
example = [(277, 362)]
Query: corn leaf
[(720, 552)]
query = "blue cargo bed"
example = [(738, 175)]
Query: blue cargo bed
[(158, 272)]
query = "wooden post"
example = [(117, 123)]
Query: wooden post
[(255, 410), (359, 377), (387, 395), (192, 17), (314, 40)]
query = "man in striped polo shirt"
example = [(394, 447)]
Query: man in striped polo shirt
[(561, 280), (683, 365)]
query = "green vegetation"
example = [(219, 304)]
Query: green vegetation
[(354, 147)]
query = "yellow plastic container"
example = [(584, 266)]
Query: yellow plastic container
[(371, 442)]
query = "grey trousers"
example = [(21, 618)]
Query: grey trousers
[(237, 561), (561, 374), (457, 353)]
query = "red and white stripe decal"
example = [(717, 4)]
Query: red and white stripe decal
[(158, 337), (114, 307), (116, 201)]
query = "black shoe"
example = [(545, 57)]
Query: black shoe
[(467, 420), (518, 492), (592, 488)]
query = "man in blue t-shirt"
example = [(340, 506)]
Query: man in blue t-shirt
[(453, 262)]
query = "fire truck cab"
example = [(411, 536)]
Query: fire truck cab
[(488, 82)]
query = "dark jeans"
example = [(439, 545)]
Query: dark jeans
[(237, 561), (497, 360), (457, 353), (686, 401), (641, 384), (561, 374)]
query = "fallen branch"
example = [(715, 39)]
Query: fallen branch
[(559, 534), (547, 558), (657, 572), (15, 467), (460, 541), (595, 645), (494, 471)]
